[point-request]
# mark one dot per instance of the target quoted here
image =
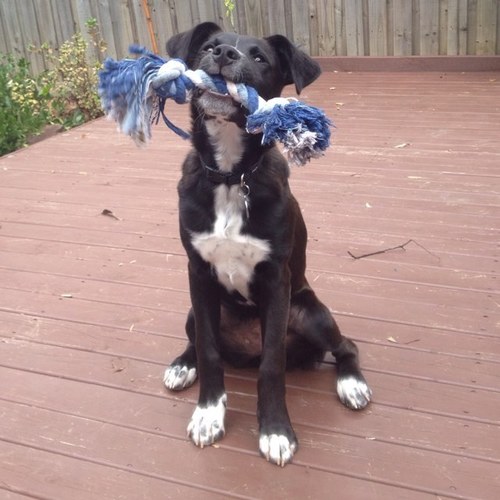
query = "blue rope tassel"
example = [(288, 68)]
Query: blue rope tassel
[(134, 92)]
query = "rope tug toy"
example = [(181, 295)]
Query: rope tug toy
[(133, 93)]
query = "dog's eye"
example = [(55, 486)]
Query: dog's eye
[(208, 48), (259, 58)]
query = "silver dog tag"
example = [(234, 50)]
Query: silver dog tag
[(244, 192)]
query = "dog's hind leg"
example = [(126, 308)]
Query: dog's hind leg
[(182, 373), (312, 320)]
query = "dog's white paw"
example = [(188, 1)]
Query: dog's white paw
[(207, 423), (179, 377), (277, 448), (353, 392)]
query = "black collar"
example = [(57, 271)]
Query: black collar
[(229, 178)]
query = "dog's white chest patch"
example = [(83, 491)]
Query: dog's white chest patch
[(232, 254), (226, 138)]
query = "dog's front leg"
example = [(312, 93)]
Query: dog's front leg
[(277, 439), (207, 423)]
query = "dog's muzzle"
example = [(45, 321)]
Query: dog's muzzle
[(217, 104)]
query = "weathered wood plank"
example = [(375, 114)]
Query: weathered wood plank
[(354, 34), (471, 26), (487, 13), (402, 28), (45, 467), (340, 28), (82, 11), (325, 13), (4, 40), (429, 27), (64, 24), (122, 27), (29, 34), (442, 30), (377, 27), (106, 26), (208, 11), (12, 36), (183, 14), (462, 27), (276, 18), (47, 33), (139, 25), (253, 19), (300, 25), (498, 32), (164, 22), (452, 27), (313, 27)]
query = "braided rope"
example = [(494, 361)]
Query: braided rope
[(134, 92)]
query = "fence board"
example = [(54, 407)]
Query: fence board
[(314, 26), (486, 26), (122, 26), (443, 24), (300, 24), (11, 37), (82, 10), (429, 25), (276, 19), (462, 27), (195, 13), (106, 26), (340, 28), (183, 14), (165, 24), (354, 32), (320, 27), (253, 18), (402, 28), (46, 33), (326, 27), (498, 30), (471, 26), (140, 25), (377, 27), (208, 10), (3, 42), (452, 26), (29, 35), (62, 16)]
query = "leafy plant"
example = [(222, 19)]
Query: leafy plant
[(65, 95), (74, 77), (230, 6), (24, 103)]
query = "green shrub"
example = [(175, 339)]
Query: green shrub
[(65, 95), (74, 78), (24, 103)]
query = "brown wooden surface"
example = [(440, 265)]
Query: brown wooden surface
[(92, 308)]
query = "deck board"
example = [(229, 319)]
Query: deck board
[(92, 308)]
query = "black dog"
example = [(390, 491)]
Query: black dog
[(246, 240)]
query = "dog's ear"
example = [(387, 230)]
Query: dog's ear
[(187, 44), (296, 66)]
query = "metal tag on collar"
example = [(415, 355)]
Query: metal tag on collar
[(244, 192)]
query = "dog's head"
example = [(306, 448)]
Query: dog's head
[(267, 64)]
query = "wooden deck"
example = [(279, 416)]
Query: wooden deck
[(92, 308)]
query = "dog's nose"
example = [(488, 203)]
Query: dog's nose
[(225, 54)]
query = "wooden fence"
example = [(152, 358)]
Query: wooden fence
[(321, 27)]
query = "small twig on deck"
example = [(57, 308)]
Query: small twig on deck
[(398, 247), (109, 213)]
